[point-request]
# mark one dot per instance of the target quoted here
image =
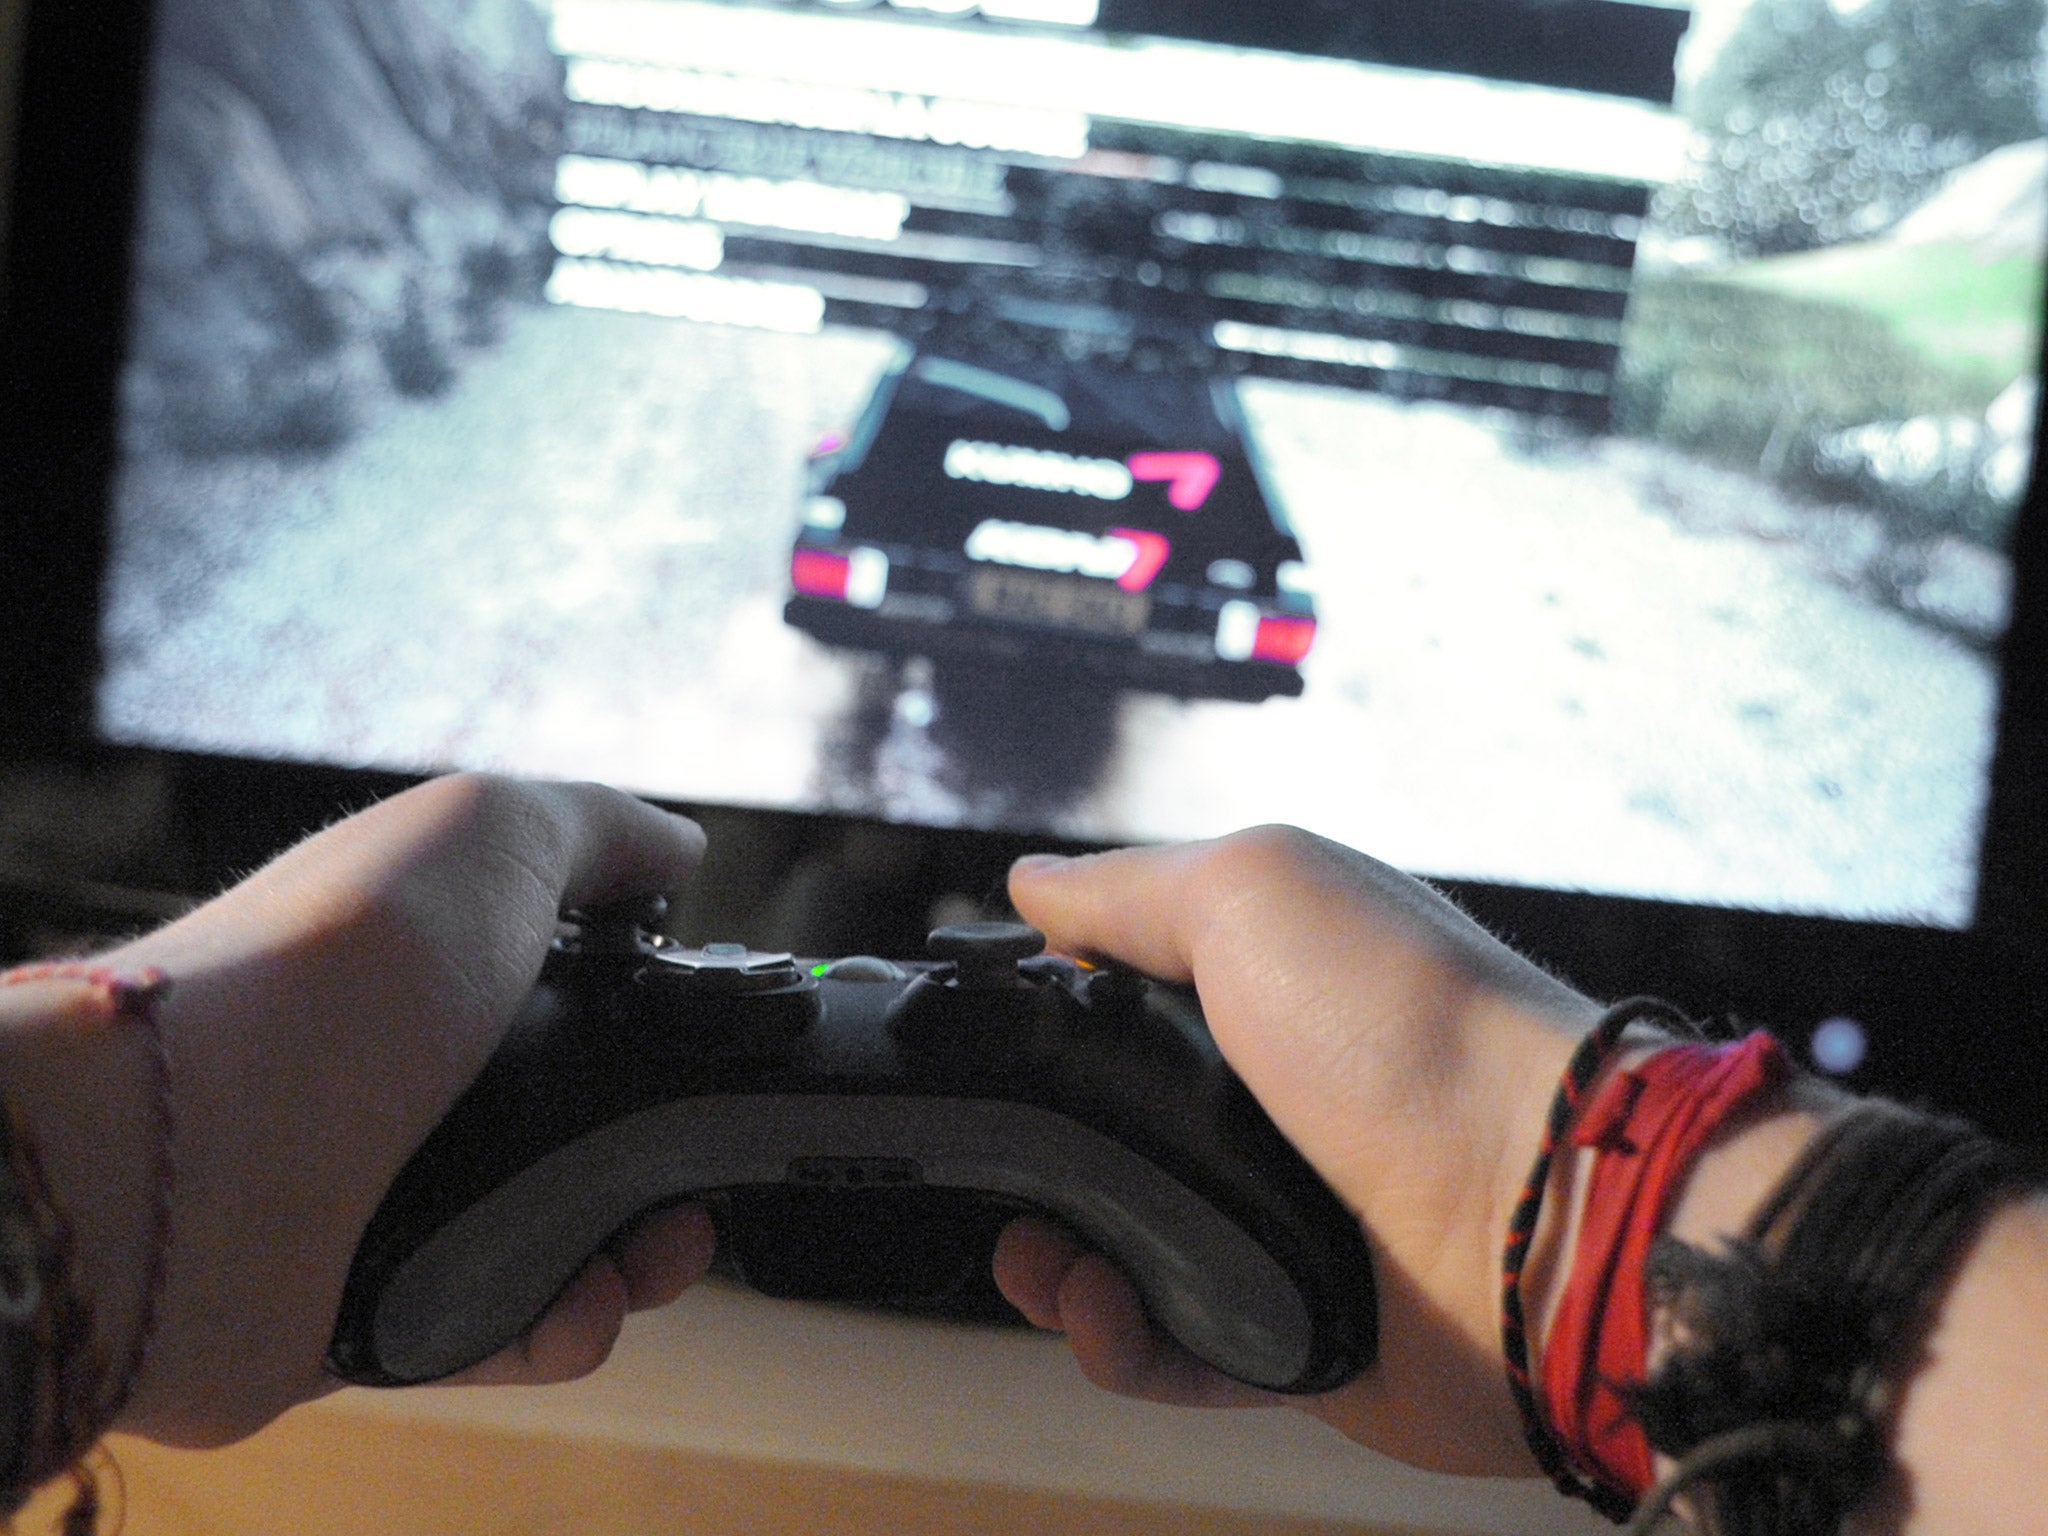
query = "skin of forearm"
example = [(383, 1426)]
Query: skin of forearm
[(1971, 1437)]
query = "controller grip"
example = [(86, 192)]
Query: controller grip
[(435, 1289)]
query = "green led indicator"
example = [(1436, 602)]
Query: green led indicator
[(821, 967)]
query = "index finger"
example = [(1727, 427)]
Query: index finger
[(616, 845), (1262, 902), (535, 847), (1235, 905)]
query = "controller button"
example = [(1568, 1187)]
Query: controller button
[(1051, 968), (1116, 988), (864, 968), (618, 928), (986, 954)]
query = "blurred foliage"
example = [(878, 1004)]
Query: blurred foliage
[(1761, 380), (1958, 310), (1815, 124), (285, 388)]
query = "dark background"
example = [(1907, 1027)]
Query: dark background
[(95, 843)]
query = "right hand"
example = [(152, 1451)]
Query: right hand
[(1408, 1055)]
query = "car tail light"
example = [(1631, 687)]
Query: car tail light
[(1245, 633), (859, 576), (820, 573), (1283, 638)]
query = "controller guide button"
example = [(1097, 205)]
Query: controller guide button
[(865, 968)]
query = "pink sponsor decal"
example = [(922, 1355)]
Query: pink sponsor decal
[(1189, 477), (1153, 548)]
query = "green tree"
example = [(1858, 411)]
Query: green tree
[(1817, 124)]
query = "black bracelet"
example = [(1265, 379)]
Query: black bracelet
[(1776, 1396)]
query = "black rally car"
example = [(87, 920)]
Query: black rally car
[(1058, 515)]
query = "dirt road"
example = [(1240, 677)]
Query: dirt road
[(1528, 670)]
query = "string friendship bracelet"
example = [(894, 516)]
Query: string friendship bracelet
[(1586, 1064), (64, 1411)]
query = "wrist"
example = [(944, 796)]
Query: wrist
[(1712, 1202), (1970, 1457), (84, 1082), (1737, 1170), (1722, 1193), (1626, 1137)]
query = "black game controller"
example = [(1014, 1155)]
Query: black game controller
[(836, 1115)]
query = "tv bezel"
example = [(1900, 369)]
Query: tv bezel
[(1956, 1018)]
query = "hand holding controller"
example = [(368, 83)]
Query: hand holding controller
[(815, 1106)]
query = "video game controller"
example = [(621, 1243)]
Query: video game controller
[(835, 1116)]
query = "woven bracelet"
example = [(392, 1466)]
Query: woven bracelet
[(1586, 1064), (58, 1393)]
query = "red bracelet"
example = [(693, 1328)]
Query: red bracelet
[(1645, 1126)]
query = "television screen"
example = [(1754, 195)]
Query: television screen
[(1571, 444)]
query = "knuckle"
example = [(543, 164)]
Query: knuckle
[(464, 800), (1256, 859)]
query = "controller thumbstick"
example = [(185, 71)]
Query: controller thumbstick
[(619, 927), (985, 954)]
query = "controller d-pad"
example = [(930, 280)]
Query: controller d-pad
[(729, 968)]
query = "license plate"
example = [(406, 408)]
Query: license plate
[(1057, 602)]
